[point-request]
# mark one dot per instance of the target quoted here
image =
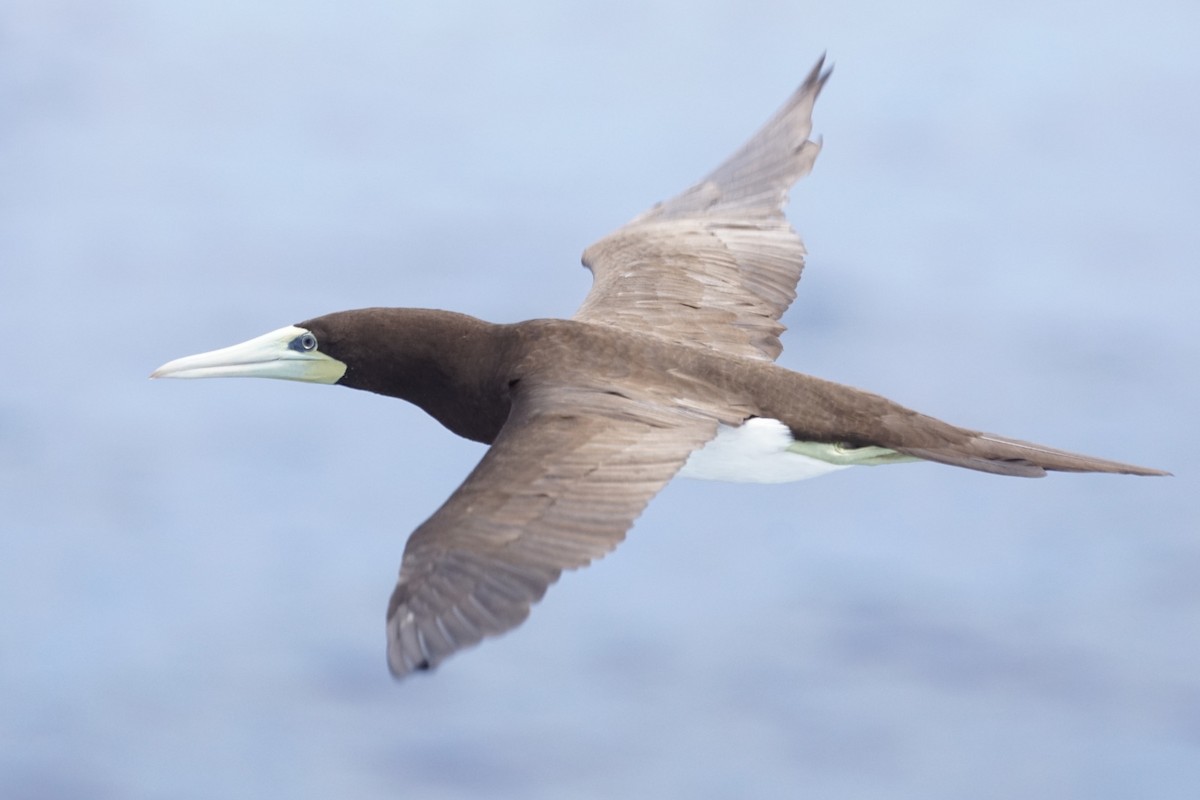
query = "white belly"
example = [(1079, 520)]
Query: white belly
[(755, 452)]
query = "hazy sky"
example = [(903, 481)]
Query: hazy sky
[(1002, 230)]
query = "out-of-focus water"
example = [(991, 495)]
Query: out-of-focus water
[(1003, 232)]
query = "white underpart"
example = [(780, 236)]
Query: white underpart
[(763, 451), (754, 452)]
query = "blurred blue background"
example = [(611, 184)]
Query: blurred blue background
[(1003, 232)]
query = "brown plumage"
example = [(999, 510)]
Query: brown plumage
[(589, 418), (587, 423)]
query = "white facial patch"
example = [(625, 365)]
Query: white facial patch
[(754, 452)]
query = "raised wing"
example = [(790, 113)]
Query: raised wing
[(718, 265), (568, 474)]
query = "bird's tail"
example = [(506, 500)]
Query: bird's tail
[(988, 452)]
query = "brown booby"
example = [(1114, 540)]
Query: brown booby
[(665, 369)]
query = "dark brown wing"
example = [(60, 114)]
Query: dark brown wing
[(718, 265), (564, 480)]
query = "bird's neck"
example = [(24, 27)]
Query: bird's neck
[(452, 366)]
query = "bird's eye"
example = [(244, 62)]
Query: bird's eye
[(304, 343)]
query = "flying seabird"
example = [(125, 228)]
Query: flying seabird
[(665, 369)]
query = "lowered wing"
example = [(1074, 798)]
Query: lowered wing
[(563, 482)]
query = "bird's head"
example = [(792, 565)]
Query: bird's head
[(304, 352)]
